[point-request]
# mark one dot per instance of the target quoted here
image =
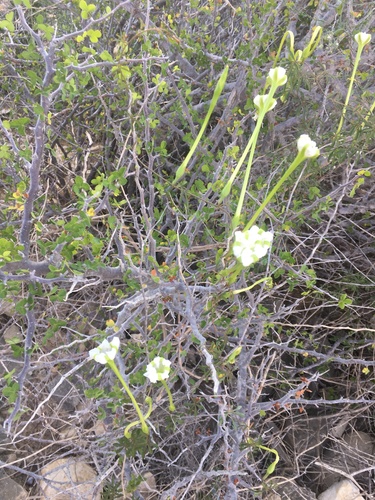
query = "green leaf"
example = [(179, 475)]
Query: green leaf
[(106, 56), (94, 35), (217, 92), (7, 23), (4, 152), (9, 250), (94, 393), (47, 30), (19, 124), (11, 391), (86, 9), (344, 301)]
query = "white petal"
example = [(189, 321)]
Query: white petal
[(94, 352), (260, 251), (239, 237), (237, 249), (253, 233), (101, 358), (247, 258), (115, 343), (151, 374)]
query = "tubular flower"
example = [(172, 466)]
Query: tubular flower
[(304, 143), (250, 246), (158, 369), (260, 101), (106, 351), (277, 76), (362, 39)]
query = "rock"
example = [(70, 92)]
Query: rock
[(13, 332), (363, 443), (274, 496), (68, 479), (354, 452), (67, 394), (343, 490), (99, 428), (10, 489), (7, 448), (6, 308), (291, 490), (147, 489)]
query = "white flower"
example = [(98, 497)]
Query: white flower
[(106, 351), (250, 246), (309, 146), (362, 39), (277, 76), (158, 369), (260, 101)]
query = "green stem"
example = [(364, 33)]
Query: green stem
[(356, 62), (127, 432), (226, 190), (236, 218), (171, 405), (267, 278), (299, 159), (114, 368), (252, 142)]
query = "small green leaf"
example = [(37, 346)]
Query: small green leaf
[(106, 56), (217, 92), (11, 391), (344, 301), (94, 393), (86, 9), (94, 35), (8, 25)]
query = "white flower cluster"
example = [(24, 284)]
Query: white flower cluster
[(250, 246)]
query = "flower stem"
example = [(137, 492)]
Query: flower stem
[(171, 405), (356, 62), (114, 368), (127, 434), (253, 140), (299, 158)]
